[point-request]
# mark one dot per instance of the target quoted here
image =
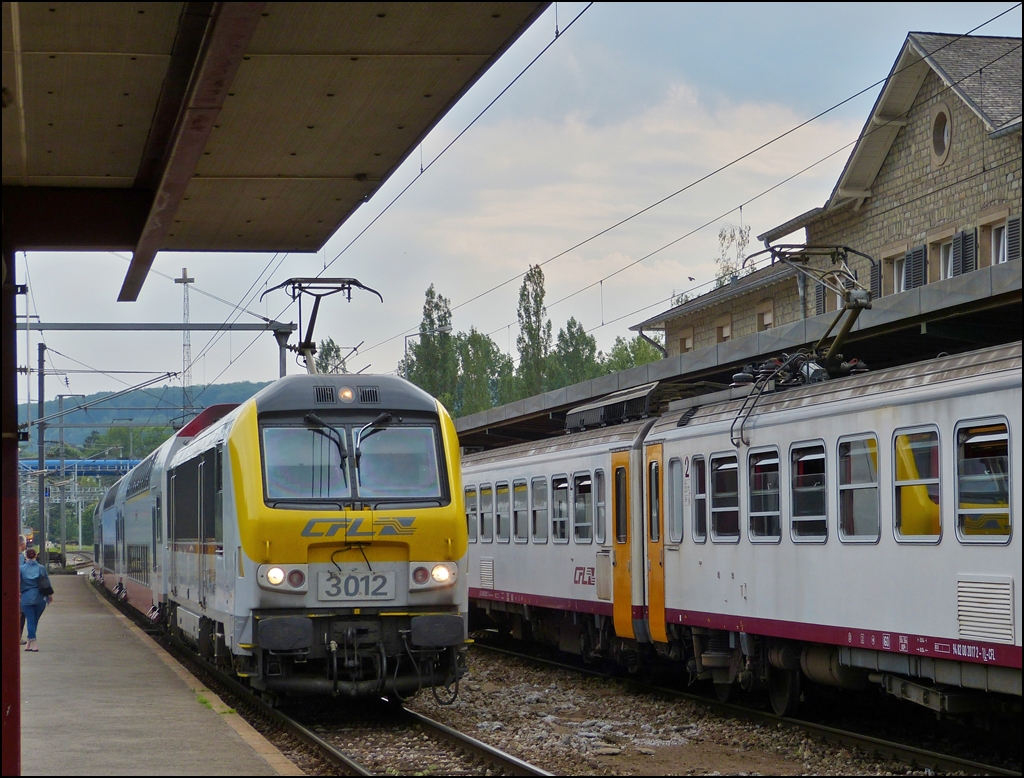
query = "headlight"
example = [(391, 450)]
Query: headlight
[(436, 575), (289, 579)]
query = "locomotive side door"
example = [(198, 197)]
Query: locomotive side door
[(654, 557), (622, 547)]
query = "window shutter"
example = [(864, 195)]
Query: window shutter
[(915, 267), (876, 280), (819, 299), (965, 252), (1013, 238), (970, 251), (958, 254)]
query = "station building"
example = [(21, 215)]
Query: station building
[(931, 193)]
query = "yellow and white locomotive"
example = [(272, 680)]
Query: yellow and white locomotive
[(312, 539)]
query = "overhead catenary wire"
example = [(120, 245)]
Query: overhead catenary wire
[(456, 138), (700, 180)]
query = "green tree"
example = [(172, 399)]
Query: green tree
[(481, 367), (329, 358), (432, 362), (534, 339), (630, 353), (575, 357)]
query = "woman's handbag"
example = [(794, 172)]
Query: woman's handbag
[(45, 588)]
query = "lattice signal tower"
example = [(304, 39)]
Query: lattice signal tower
[(186, 349)]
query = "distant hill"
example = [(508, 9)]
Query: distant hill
[(157, 406)]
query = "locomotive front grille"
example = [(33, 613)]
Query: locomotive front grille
[(984, 609)]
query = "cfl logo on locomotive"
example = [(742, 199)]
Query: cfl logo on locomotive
[(584, 576), (328, 528)]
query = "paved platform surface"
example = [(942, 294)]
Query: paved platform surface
[(101, 698)]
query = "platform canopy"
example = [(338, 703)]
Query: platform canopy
[(222, 126)]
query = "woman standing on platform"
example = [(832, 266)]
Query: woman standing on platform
[(33, 601)]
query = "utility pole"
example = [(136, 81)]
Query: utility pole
[(63, 522), (186, 350), (41, 432)]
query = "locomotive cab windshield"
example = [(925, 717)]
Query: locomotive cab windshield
[(311, 462)]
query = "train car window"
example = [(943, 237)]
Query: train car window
[(699, 479), (916, 508), (560, 509), (858, 489), (725, 499), (621, 505), (674, 490), (486, 513), (983, 482), (600, 510), (185, 518), (583, 508), (299, 463), (654, 501), (400, 462), (539, 495), (502, 512), (764, 517), (809, 493), (472, 519), (520, 512)]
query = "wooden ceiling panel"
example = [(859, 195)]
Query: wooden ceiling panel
[(388, 28), (88, 115), (129, 28), (332, 117), (13, 142), (263, 215), (8, 32)]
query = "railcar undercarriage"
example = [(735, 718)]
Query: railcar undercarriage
[(782, 668)]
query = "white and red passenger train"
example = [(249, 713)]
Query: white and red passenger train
[(852, 532)]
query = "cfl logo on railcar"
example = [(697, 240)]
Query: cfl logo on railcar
[(328, 528), (584, 576)]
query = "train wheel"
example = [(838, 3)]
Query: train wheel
[(784, 691), (726, 691)]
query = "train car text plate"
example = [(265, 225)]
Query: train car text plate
[(355, 585)]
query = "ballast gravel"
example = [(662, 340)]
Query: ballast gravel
[(577, 725)]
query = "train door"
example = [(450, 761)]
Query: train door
[(211, 524), (654, 561), (622, 551)]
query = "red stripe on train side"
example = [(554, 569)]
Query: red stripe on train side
[(955, 649), (601, 608)]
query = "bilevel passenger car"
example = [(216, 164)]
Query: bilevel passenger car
[(859, 531), (311, 539)]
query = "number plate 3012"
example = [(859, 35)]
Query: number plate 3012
[(354, 585)]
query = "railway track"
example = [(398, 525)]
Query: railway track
[(381, 738), (914, 757)]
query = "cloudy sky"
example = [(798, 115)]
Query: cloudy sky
[(631, 104)]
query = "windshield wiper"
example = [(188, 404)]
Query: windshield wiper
[(339, 440), (378, 425)]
